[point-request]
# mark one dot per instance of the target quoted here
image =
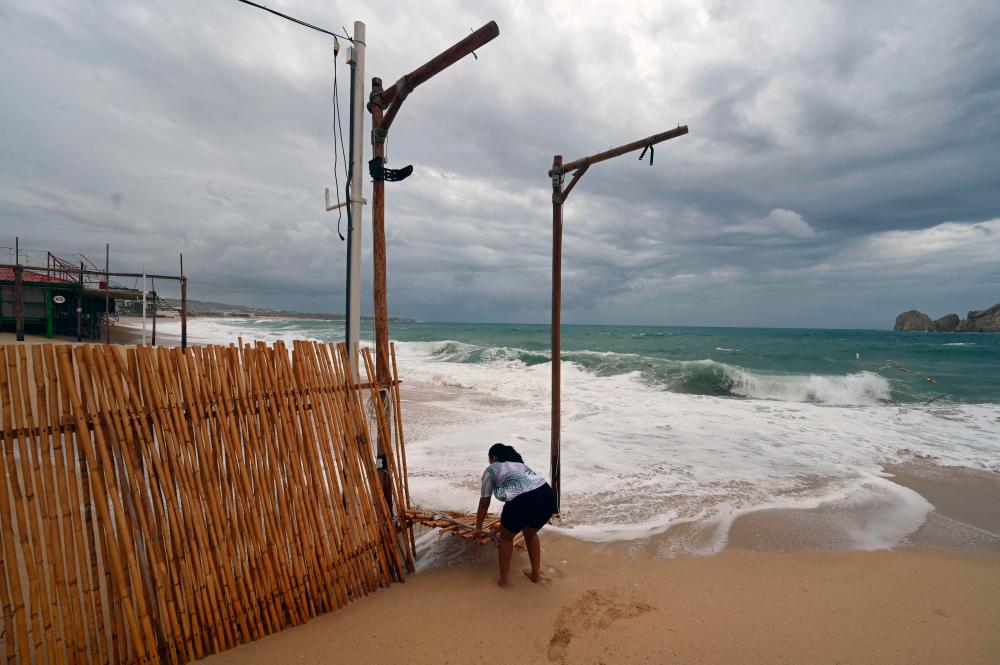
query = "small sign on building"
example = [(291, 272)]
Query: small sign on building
[(59, 299)]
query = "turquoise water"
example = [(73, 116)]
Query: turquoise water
[(740, 362)]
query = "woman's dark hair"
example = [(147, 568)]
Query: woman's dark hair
[(505, 453)]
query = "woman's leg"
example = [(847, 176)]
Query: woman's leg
[(506, 552), (534, 554)]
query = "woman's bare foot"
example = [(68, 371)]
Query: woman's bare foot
[(534, 577), (503, 584)]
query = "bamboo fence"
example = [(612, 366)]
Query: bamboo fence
[(160, 505)]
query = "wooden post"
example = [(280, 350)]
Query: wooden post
[(19, 302), (559, 195), (107, 293), (50, 331), (378, 247), (153, 284), (184, 310), (384, 105), (557, 225), (379, 285), (79, 307)]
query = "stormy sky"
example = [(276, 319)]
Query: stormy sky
[(843, 162)]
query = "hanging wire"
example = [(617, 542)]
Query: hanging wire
[(338, 132), (350, 165), (295, 20)]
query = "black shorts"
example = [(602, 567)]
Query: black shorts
[(529, 510)]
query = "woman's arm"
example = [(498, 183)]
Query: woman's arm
[(484, 506)]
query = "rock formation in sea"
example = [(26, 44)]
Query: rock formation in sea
[(913, 321), (985, 320), (947, 323)]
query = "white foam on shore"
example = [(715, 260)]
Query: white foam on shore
[(638, 460)]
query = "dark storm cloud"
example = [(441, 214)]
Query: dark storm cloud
[(842, 162)]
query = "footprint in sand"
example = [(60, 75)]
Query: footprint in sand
[(593, 610), (548, 575)]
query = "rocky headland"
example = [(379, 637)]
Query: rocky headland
[(985, 320)]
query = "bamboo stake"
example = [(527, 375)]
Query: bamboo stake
[(351, 533), (17, 630), (361, 512), (179, 533), (293, 525), (208, 478), (57, 574), (382, 516), (160, 513), (79, 579), (313, 483), (103, 480), (354, 584), (165, 511), (135, 614), (31, 471), (262, 429), (158, 595), (394, 479), (259, 566), (22, 499), (96, 634), (62, 451), (178, 440), (247, 498), (307, 365), (352, 489), (398, 401)]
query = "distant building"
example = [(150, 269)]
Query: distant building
[(51, 295)]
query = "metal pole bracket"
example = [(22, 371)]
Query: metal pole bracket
[(333, 206)]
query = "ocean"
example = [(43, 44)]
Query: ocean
[(674, 432)]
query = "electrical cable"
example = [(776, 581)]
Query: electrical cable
[(295, 20), (336, 157), (343, 152), (350, 164)]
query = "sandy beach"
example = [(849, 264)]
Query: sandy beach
[(128, 330), (603, 605)]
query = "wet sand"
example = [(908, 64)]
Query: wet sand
[(966, 515)]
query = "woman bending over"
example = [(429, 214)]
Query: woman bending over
[(530, 502)]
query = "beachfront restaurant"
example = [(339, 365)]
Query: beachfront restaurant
[(49, 303)]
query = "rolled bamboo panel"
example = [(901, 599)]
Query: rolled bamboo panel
[(159, 505)]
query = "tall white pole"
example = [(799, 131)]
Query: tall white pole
[(144, 304), (353, 308)]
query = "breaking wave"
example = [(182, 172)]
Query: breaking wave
[(693, 377)]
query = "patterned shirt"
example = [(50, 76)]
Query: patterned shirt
[(508, 480)]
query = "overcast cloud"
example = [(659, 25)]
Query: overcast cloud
[(843, 162)]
